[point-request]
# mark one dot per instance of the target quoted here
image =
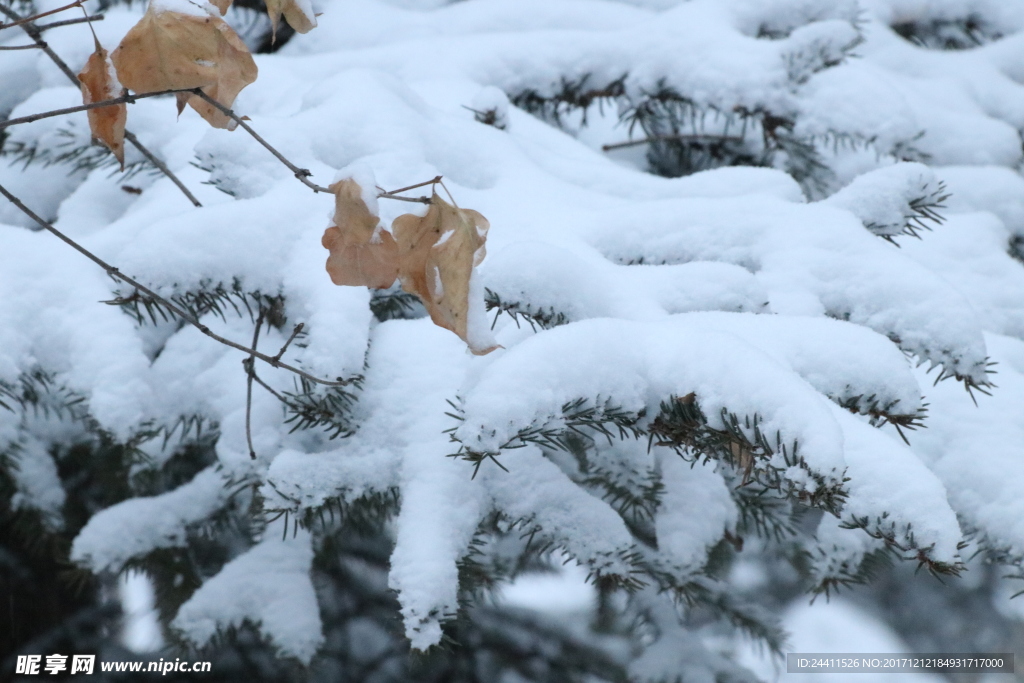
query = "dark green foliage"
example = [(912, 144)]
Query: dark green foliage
[(217, 298), (365, 639), (682, 426), (847, 575), (1016, 248), (886, 530), (50, 604), (395, 304), (570, 97), (949, 34), (313, 407), (544, 318), (579, 417), (881, 414), (684, 136), (923, 210), (74, 154)]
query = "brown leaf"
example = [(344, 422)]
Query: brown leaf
[(222, 5), (361, 255), (98, 84), (173, 51), (437, 254), (297, 19)]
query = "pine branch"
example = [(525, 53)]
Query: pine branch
[(922, 210), (182, 314), (901, 538), (544, 318), (579, 417), (395, 304), (763, 512), (704, 592), (208, 297), (571, 96), (844, 575), (740, 442), (38, 392), (961, 33), (883, 414), (329, 410), (82, 157)]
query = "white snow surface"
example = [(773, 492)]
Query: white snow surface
[(136, 526), (267, 585), (725, 283)]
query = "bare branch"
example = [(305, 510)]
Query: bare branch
[(415, 200), (432, 181), (269, 388), (184, 315), (69, 22), (295, 333), (250, 371), (26, 20), (301, 173), (33, 46), (124, 99), (33, 31)]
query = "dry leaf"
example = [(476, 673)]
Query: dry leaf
[(222, 5), (99, 83), (172, 51), (297, 19), (361, 254), (437, 253)]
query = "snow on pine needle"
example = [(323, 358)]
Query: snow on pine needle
[(705, 211)]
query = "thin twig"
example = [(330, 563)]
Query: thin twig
[(115, 273), (33, 46), (69, 22), (295, 333), (124, 99), (432, 181), (415, 200), (33, 31), (667, 138), (301, 173), (269, 388), (25, 20), (250, 371)]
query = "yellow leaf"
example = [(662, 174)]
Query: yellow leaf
[(297, 19), (171, 51), (436, 257), (361, 254), (98, 84)]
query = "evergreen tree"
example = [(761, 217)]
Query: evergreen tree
[(722, 345)]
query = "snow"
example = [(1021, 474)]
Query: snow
[(38, 485), (696, 510), (836, 626), (139, 525), (268, 585), (727, 283)]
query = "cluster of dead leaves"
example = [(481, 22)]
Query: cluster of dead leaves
[(170, 50), (432, 255)]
